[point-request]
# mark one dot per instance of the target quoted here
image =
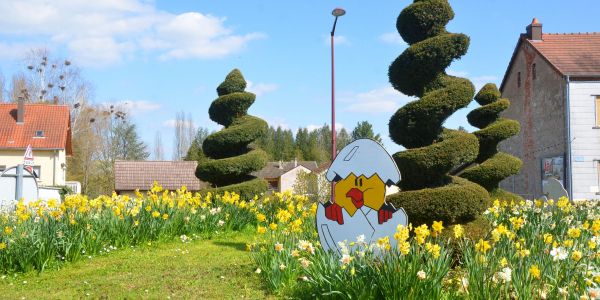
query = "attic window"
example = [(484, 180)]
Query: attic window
[(519, 79), (533, 71), (39, 134)]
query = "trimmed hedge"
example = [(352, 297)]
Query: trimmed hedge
[(231, 159), (460, 201), (485, 115), (423, 20), (492, 166), (493, 170), (247, 190), (489, 93), (419, 123), (225, 109), (234, 83), (428, 192), (429, 58), (433, 162), (230, 170), (235, 139)]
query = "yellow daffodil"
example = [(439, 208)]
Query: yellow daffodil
[(482, 246), (534, 271)]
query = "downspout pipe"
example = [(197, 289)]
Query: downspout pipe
[(569, 147)]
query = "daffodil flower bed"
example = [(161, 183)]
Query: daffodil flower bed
[(40, 234), (534, 250)]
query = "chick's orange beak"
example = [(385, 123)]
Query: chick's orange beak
[(356, 196)]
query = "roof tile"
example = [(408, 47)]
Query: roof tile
[(171, 175), (53, 120), (575, 54)]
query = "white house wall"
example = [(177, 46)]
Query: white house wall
[(50, 162), (585, 139), (288, 179)]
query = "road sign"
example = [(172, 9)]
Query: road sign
[(28, 159)]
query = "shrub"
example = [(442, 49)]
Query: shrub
[(428, 193), (231, 159), (247, 190), (492, 167), (460, 201)]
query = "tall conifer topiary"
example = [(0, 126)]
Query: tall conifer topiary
[(427, 191), (492, 166), (232, 156)]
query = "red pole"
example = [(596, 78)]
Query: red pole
[(333, 134)]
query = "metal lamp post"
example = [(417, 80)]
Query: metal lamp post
[(337, 12)]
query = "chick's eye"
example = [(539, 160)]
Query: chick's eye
[(360, 182), (356, 181)]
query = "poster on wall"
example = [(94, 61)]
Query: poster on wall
[(553, 167)]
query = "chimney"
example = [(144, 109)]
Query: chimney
[(20, 110), (280, 164), (295, 162), (534, 30)]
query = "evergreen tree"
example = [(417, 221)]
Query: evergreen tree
[(127, 143), (343, 139), (364, 130), (428, 192), (302, 143), (195, 152), (231, 156), (289, 147)]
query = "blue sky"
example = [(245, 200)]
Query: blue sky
[(168, 56)]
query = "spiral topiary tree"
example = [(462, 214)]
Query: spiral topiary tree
[(232, 157), (492, 166), (428, 192)]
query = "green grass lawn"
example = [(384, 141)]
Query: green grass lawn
[(219, 268)]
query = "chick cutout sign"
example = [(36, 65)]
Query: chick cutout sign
[(361, 172)]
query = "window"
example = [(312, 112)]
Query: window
[(273, 184), (39, 134), (37, 171), (597, 111), (2, 168), (519, 79), (533, 71)]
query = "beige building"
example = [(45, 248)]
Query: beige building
[(141, 175), (553, 83), (47, 129), (281, 175)]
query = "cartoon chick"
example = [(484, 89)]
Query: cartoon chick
[(360, 173)]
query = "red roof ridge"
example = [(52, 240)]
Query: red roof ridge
[(571, 33), (36, 104)]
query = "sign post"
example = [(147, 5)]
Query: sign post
[(19, 187), (28, 165), (28, 159)]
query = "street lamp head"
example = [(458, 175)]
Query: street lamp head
[(338, 12)]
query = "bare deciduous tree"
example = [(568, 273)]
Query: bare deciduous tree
[(158, 147), (185, 132)]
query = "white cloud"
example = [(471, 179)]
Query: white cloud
[(260, 88), (313, 127), (133, 107), (277, 122), (172, 123), (105, 32), (376, 101), (15, 51), (337, 40), (392, 38), (478, 81)]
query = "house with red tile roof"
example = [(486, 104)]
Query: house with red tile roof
[(47, 128), (141, 175), (553, 84)]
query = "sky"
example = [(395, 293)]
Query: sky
[(162, 57)]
